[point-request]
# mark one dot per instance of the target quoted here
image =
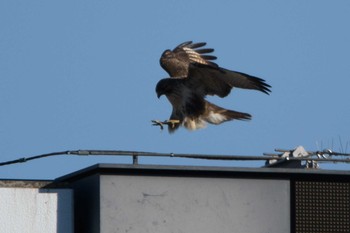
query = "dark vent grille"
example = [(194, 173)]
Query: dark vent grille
[(322, 207)]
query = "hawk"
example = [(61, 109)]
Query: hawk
[(193, 76)]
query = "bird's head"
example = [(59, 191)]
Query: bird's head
[(164, 87)]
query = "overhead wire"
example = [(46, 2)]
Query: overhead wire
[(136, 154)]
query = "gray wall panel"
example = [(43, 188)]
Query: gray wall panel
[(136, 204)]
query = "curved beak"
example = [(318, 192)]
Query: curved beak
[(159, 94)]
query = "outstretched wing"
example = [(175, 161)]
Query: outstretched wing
[(220, 81), (190, 53), (190, 60), (178, 61)]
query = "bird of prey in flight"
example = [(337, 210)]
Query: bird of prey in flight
[(193, 76)]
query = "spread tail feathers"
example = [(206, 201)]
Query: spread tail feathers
[(214, 115), (217, 115)]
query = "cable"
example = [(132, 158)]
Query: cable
[(22, 160), (135, 154)]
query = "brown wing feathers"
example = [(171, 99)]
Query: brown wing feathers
[(189, 51)]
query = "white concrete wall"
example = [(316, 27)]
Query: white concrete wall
[(32, 210)]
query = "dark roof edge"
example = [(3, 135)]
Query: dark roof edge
[(202, 171)]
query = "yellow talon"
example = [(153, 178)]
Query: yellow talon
[(167, 122), (172, 122), (158, 123)]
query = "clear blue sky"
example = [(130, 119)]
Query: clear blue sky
[(81, 75)]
